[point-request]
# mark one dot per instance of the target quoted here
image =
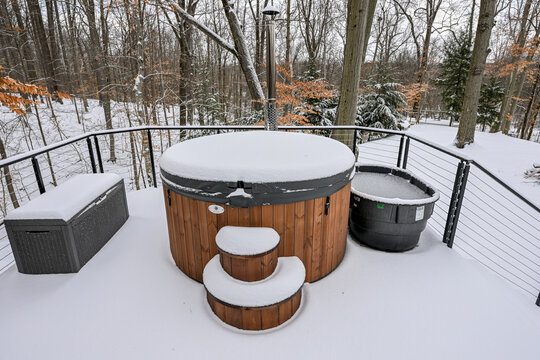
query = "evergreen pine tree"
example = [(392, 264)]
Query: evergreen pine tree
[(491, 95), (379, 106), (454, 71)]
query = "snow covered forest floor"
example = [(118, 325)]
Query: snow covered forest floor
[(495, 227), (506, 156)]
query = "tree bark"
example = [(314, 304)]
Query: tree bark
[(28, 54), (53, 45), (505, 118), (46, 59), (74, 53), (533, 120), (98, 65), (467, 124), (535, 94), (369, 22), (531, 52), (352, 66), (244, 58), (288, 38), (7, 176)]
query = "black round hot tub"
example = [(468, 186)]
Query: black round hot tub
[(390, 207)]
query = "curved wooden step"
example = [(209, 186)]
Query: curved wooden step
[(255, 318), (248, 253), (255, 305)]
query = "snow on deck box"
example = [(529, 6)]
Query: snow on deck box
[(61, 230)]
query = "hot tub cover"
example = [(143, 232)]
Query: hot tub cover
[(257, 167)]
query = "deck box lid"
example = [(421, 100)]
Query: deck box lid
[(66, 200)]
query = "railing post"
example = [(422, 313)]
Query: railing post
[(405, 153), (453, 201), (98, 152), (355, 138), (91, 152), (151, 153), (462, 174), (37, 173), (400, 152)]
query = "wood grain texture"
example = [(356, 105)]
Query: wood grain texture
[(255, 318), (249, 268), (318, 239)]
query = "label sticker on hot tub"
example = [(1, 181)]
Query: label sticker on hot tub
[(216, 209), (419, 213)]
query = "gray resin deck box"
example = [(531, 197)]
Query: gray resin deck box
[(61, 230)]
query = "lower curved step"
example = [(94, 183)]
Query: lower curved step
[(255, 318), (255, 305)]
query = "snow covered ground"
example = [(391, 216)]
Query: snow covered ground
[(131, 302), (505, 156)]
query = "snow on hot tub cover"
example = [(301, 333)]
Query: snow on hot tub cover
[(257, 167)]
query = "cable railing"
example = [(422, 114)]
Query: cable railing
[(485, 218)]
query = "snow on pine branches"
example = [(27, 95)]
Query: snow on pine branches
[(379, 104)]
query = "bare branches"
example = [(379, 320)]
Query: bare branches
[(206, 30)]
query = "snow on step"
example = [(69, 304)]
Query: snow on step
[(286, 280), (67, 199), (258, 157), (241, 240)]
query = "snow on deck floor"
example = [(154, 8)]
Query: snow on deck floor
[(131, 302)]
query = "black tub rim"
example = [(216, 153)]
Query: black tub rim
[(430, 190)]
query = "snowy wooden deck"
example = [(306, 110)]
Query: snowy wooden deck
[(131, 302)]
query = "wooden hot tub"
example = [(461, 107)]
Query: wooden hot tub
[(296, 183)]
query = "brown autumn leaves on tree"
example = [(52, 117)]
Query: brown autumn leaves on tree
[(205, 56)]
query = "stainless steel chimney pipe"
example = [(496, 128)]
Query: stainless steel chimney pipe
[(272, 121)]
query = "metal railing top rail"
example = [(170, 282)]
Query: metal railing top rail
[(30, 154)]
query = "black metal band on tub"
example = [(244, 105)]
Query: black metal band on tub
[(256, 194)]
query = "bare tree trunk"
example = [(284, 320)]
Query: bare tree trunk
[(53, 45), (521, 77), (465, 134), (357, 11), (7, 175), (75, 55), (288, 39), (98, 65), (533, 120), (53, 177), (186, 65), (535, 94), (107, 78), (27, 50), (46, 59), (244, 58), (371, 12), (471, 22), (132, 146), (505, 117)]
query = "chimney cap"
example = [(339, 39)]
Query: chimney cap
[(270, 10)]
